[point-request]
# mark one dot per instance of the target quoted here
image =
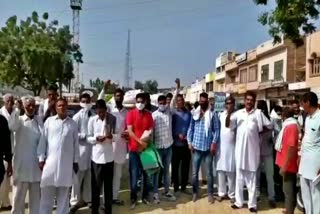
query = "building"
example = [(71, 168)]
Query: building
[(313, 63), (221, 61), (209, 79), (193, 92)]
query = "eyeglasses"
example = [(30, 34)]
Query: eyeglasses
[(229, 103)]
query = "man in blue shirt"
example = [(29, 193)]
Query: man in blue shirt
[(203, 134), (181, 155)]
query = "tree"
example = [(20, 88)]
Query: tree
[(138, 85), (35, 52), (289, 18), (97, 84), (150, 86)]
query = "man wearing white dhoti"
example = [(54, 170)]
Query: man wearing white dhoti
[(81, 188), (58, 153), (26, 172), (250, 122), (226, 166)]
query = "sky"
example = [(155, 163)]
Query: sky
[(169, 38)]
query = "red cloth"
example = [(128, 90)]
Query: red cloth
[(290, 139), (140, 122)]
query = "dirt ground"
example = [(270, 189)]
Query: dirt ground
[(184, 206)]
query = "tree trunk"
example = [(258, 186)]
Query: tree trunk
[(60, 88)]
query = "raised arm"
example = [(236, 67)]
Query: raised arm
[(175, 94)]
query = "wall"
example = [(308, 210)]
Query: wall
[(296, 60), (270, 59), (313, 45)]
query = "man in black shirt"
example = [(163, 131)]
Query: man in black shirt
[(5, 148)]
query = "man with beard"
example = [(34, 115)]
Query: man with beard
[(203, 135)]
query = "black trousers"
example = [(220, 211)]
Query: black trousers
[(101, 175), (181, 157)]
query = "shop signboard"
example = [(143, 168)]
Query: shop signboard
[(219, 101)]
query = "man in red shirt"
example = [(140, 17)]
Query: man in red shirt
[(287, 157), (138, 121)]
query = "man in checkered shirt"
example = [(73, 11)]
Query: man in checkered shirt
[(163, 142), (203, 135)]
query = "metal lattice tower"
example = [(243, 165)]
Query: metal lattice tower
[(128, 66), (76, 6)]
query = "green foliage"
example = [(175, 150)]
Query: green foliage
[(150, 86), (35, 52), (289, 18)]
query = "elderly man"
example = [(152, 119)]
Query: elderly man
[(11, 115), (58, 154), (26, 172)]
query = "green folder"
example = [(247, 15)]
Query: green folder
[(150, 159)]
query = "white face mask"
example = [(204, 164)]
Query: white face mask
[(162, 108), (140, 106), (86, 106)]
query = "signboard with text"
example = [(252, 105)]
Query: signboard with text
[(219, 101)]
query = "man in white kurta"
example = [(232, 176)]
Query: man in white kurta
[(11, 115), (250, 123), (58, 156), (119, 143), (81, 188), (226, 166), (26, 171), (309, 168)]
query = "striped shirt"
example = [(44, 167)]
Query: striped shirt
[(197, 134)]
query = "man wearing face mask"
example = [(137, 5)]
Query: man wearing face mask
[(203, 135), (9, 112), (26, 172), (138, 122), (81, 188), (163, 142)]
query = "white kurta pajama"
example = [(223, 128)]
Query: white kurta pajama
[(247, 152), (226, 166), (59, 148), (5, 185), (119, 148), (81, 188), (26, 171)]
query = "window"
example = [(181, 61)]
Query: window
[(252, 76), (265, 73), (243, 75), (209, 86), (278, 70), (315, 67)]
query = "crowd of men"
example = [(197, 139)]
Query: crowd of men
[(71, 161)]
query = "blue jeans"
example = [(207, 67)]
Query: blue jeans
[(166, 156), (135, 171), (197, 158)]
